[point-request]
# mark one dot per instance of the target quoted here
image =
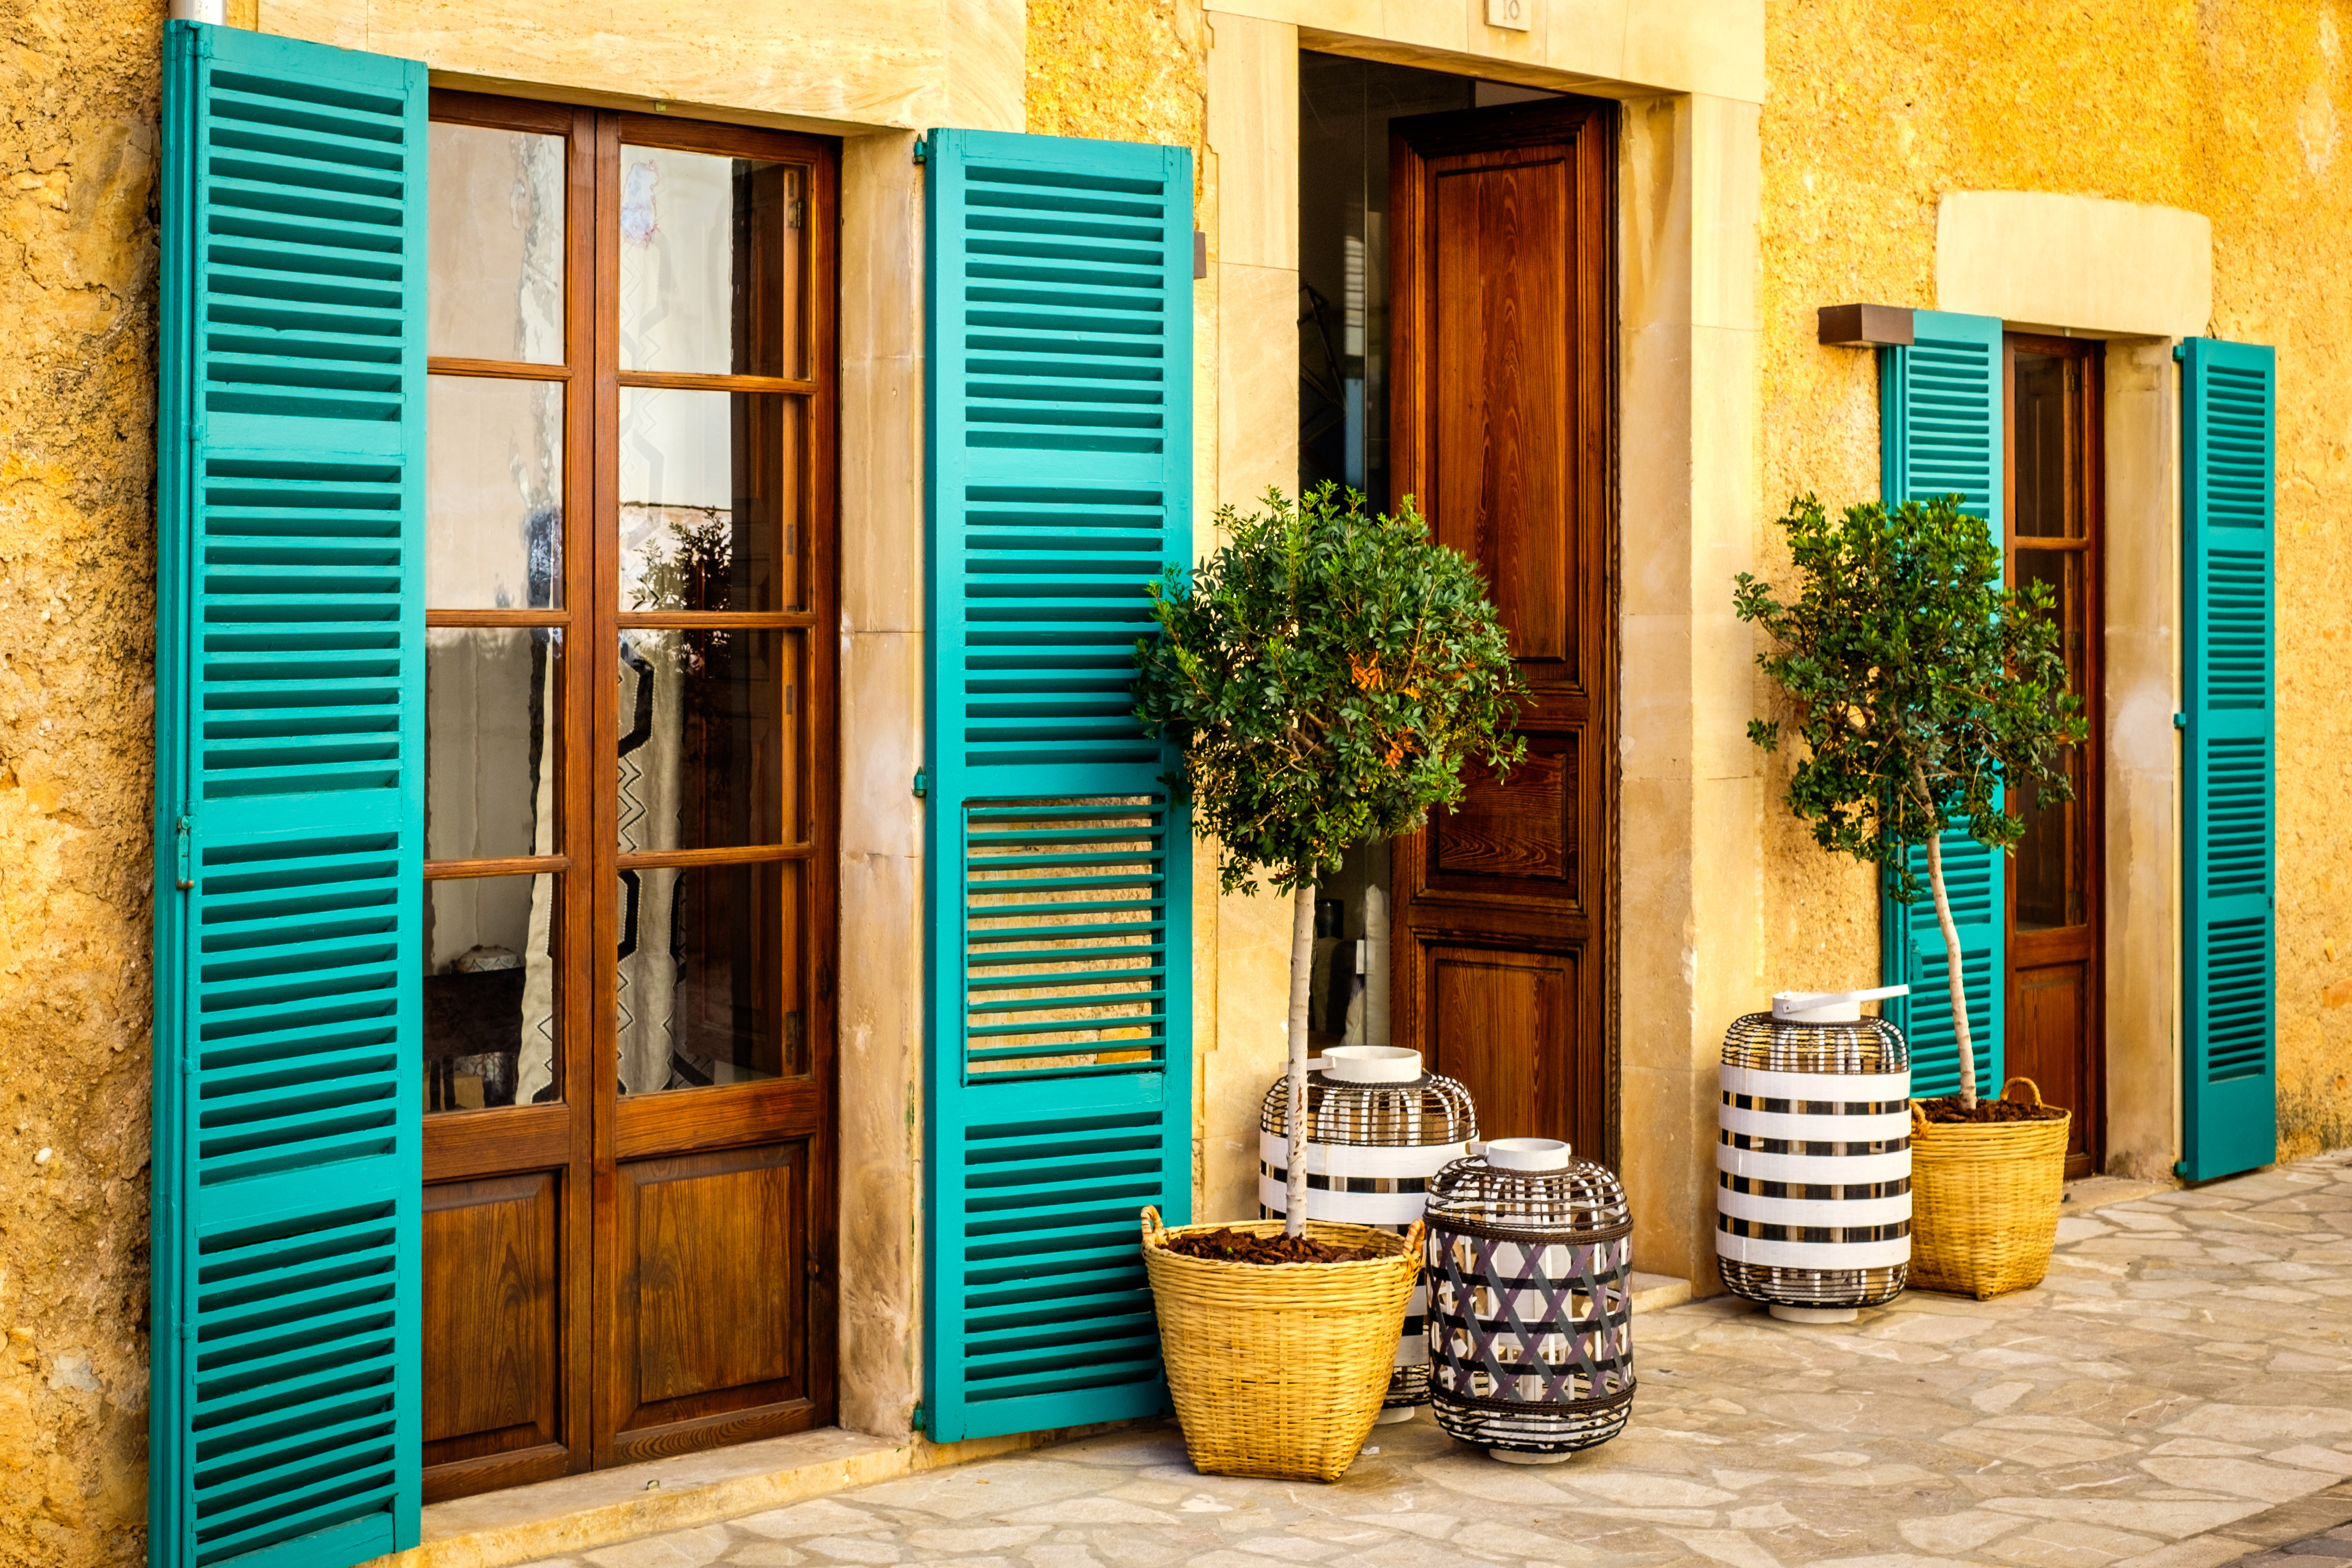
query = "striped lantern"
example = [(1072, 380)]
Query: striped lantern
[(1530, 1284), (1378, 1128), (1813, 1166)]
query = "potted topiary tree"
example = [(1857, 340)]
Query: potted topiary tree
[(1326, 674), (1929, 697)]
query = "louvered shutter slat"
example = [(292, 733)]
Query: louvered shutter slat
[(1940, 432), (289, 646), (1060, 444), (2229, 1120)]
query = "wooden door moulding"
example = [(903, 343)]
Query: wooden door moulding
[(1542, 426)]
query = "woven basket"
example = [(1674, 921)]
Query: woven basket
[(1279, 1369), (1984, 1200)]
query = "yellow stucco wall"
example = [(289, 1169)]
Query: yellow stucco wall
[(77, 644), (1121, 70), (2240, 109)]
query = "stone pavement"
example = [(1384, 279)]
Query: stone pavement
[(2177, 1394)]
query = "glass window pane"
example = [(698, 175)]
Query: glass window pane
[(710, 263), (491, 1004), (712, 982), (496, 286), (493, 707), (708, 722), (2052, 858), (2049, 468), (709, 500), (494, 494)]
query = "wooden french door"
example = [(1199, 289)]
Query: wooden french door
[(2056, 1028), (1502, 420), (630, 801)]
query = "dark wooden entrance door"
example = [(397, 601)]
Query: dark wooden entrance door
[(2056, 1033), (1501, 424)]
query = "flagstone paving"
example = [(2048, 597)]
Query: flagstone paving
[(2177, 1394)]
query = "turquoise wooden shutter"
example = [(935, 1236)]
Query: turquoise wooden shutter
[(2228, 396), (1059, 903), (288, 805), (1940, 435)]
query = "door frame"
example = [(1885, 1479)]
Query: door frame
[(1465, 918), (2090, 412), (586, 1137)]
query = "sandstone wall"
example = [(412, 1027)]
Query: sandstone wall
[(77, 647), (2241, 109)]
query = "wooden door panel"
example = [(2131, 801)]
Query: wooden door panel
[(492, 1280), (1501, 421), (2050, 1042), (1514, 837), (1498, 484), (713, 1275), (1491, 1013)]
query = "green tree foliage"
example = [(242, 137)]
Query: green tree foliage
[(1927, 695), (1327, 674)]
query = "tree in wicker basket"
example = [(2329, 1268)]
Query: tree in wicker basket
[(1929, 697), (1327, 674)]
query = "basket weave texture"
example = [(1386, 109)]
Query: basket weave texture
[(1984, 1200), (1278, 1369)]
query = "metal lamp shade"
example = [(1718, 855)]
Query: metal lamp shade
[(1530, 1303), (1814, 1165), (1378, 1128)]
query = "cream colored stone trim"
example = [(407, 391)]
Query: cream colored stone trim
[(1612, 47), (2038, 259), (822, 65), (1690, 945)]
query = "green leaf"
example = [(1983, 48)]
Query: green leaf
[(1904, 658), (1328, 674)]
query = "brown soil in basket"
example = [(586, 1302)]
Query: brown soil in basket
[(1947, 1110), (1232, 1246)]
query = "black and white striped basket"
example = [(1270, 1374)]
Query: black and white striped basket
[(1378, 1127), (1813, 1161)]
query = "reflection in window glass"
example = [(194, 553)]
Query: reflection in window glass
[(492, 696), (709, 982), (495, 290), (710, 263), (2048, 466), (710, 487), (2052, 858), (491, 1036), (494, 494), (707, 721)]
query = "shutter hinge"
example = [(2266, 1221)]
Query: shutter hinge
[(184, 869), (799, 213), (917, 1421), (922, 784), (2179, 353), (2180, 721), (922, 155)]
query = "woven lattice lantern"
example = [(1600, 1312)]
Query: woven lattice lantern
[(1378, 1128), (1530, 1301), (1813, 1169)]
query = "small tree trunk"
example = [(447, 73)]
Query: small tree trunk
[(1953, 972), (1302, 973)]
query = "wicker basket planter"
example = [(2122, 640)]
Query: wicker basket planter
[(1279, 1369), (1984, 1200)]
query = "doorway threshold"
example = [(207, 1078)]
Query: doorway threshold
[(602, 1508)]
